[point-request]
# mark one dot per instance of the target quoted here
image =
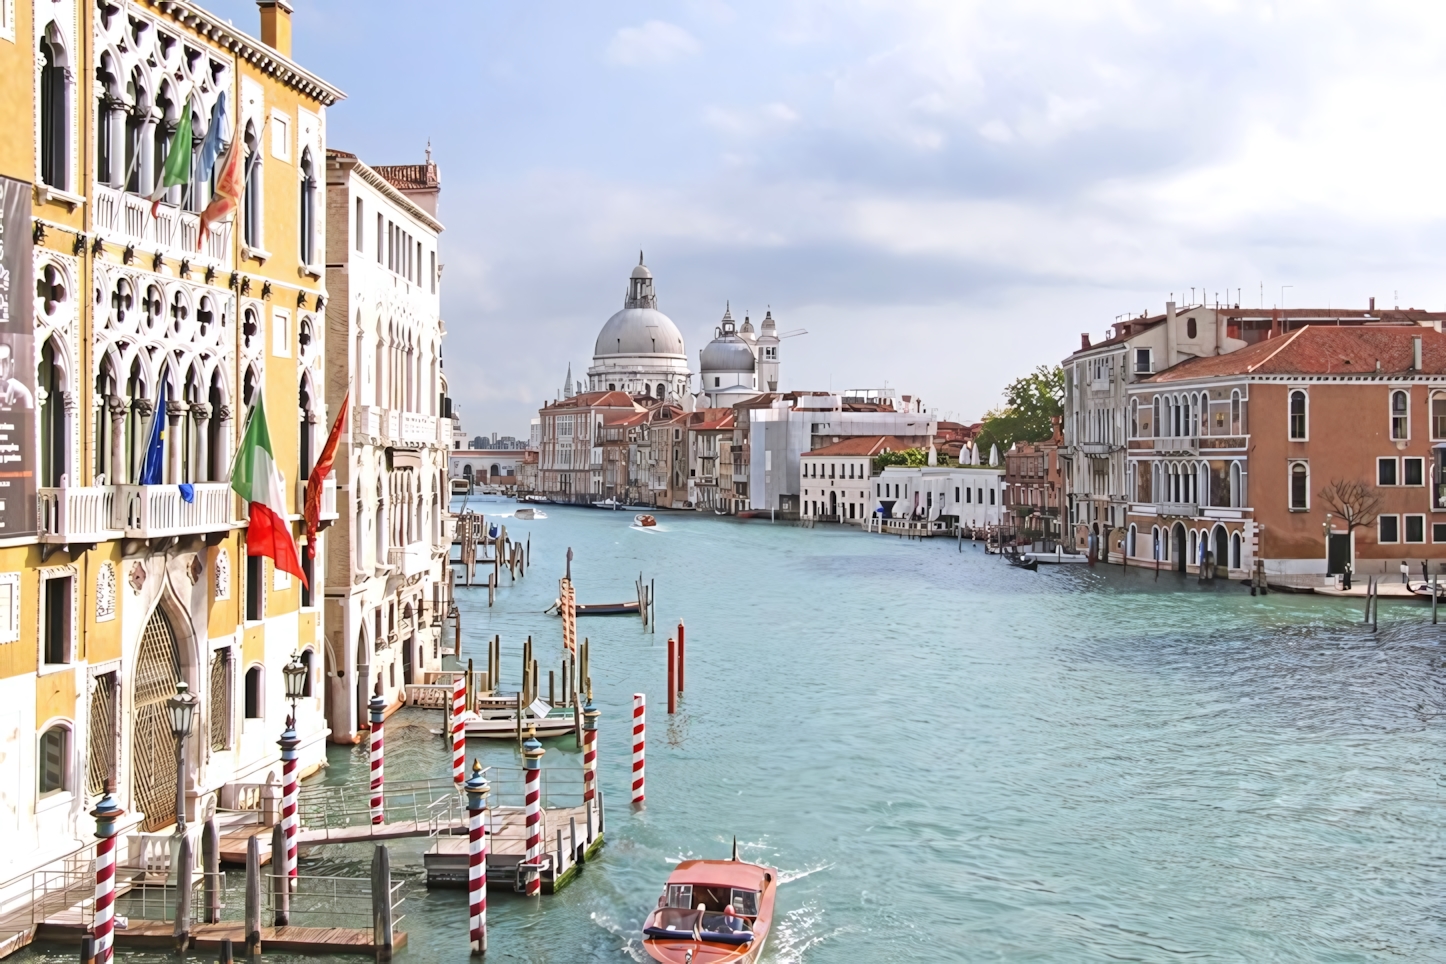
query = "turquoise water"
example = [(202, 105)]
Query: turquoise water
[(949, 759)]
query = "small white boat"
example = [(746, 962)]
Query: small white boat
[(500, 723), (527, 513), (1057, 558)]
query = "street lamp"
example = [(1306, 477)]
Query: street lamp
[(182, 710), (295, 673)]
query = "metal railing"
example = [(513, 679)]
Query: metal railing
[(435, 804), (560, 786)]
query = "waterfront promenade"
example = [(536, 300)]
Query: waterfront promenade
[(949, 759)]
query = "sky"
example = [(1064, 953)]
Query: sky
[(943, 193)]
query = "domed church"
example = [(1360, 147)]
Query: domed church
[(640, 351)]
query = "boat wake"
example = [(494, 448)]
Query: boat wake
[(632, 945), (789, 876), (798, 931)]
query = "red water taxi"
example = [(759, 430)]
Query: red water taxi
[(712, 912)]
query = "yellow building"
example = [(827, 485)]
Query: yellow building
[(111, 318)]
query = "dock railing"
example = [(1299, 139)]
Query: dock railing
[(561, 786), (436, 804)]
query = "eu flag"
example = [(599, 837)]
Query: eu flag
[(153, 470)]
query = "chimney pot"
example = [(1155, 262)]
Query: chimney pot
[(276, 25), (1084, 341), (1373, 305), (1416, 353)]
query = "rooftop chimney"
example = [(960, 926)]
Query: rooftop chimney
[(1416, 353), (1084, 341), (276, 25), (1372, 309)]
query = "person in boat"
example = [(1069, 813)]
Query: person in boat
[(731, 923)]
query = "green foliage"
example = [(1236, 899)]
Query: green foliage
[(1029, 404), (909, 457)]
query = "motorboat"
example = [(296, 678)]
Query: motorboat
[(607, 504), (1059, 557), (527, 513), (691, 924), (644, 521)]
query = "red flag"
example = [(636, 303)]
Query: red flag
[(228, 191), (318, 475)]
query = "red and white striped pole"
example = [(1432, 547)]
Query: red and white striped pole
[(532, 801), (459, 729), (639, 739), (477, 788), (378, 707), (590, 714), (289, 792), (106, 813)]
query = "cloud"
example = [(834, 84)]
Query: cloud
[(655, 42)]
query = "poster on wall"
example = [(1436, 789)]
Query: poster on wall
[(17, 362)]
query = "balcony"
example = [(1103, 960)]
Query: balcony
[(409, 428), (158, 511), (410, 560), (417, 428), (125, 218), (1187, 509), (328, 498), (76, 515)]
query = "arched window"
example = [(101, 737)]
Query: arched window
[(1235, 550), (304, 432), (1134, 418), (1191, 330), (252, 203), (661, 390), (306, 661), (1438, 416), (53, 766), (54, 111), (1237, 494), (1235, 412), (54, 422), (1299, 486), (1400, 415), (1297, 415), (253, 693), (307, 214)]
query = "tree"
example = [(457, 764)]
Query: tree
[(910, 457), (1352, 501), (1030, 405)]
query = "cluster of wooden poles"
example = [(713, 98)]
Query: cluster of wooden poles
[(647, 602)]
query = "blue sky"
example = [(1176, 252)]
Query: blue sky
[(945, 194)]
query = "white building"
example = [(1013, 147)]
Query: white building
[(640, 351), (968, 495), (795, 423), (836, 481), (387, 577)]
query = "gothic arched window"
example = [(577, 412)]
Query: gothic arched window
[(307, 214), (54, 111)]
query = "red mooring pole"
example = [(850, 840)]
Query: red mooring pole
[(682, 659), (672, 676)]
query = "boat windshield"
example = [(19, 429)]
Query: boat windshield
[(745, 902), (680, 895)]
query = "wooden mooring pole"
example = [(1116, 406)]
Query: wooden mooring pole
[(185, 857), (382, 902), (280, 883), (253, 897)]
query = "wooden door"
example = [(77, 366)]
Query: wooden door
[(158, 668)]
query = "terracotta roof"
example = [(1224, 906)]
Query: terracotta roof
[(1323, 350), (595, 400), (711, 419), (410, 177), (869, 445)]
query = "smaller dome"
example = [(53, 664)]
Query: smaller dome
[(727, 352), (641, 271)]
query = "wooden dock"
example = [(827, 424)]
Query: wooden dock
[(298, 940)]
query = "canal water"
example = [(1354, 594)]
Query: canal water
[(950, 759)]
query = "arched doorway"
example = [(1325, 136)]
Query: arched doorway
[(363, 680), (158, 669), (833, 504), (1178, 549), (1222, 548)]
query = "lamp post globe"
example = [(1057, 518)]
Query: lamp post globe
[(295, 674), (182, 710)]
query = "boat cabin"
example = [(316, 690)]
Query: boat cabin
[(697, 896)]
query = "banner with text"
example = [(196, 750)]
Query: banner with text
[(17, 362)]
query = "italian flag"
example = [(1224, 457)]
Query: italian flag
[(255, 478)]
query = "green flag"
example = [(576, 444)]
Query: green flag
[(178, 160)]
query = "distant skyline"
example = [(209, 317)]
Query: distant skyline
[(945, 194)]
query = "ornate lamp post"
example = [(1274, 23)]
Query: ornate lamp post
[(182, 710), (295, 673)]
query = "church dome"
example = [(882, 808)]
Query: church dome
[(639, 331), (727, 352)]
